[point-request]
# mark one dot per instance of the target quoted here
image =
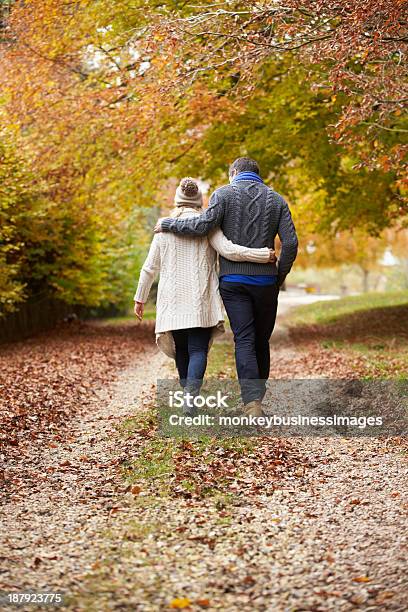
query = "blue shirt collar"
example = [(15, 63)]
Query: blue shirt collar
[(247, 176)]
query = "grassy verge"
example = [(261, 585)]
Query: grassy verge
[(333, 311), (370, 329)]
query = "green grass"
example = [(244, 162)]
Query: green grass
[(221, 360), (155, 464), (327, 312)]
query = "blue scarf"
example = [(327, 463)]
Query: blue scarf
[(247, 176)]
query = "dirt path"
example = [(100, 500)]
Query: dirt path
[(334, 539)]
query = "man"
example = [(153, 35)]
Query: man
[(250, 214)]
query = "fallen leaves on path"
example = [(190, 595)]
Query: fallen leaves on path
[(47, 379), (180, 603), (227, 470), (193, 469)]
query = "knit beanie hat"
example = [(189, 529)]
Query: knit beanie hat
[(188, 193)]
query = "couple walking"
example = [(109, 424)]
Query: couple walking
[(240, 224)]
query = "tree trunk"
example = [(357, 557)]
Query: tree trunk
[(365, 280)]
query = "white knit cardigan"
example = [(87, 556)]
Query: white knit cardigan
[(188, 294)]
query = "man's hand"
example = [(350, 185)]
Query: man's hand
[(158, 227), (272, 256), (139, 310)]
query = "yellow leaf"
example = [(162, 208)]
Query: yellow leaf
[(180, 603), (362, 579)]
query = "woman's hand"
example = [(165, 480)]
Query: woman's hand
[(139, 310), (272, 256)]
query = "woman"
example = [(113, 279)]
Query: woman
[(189, 307)]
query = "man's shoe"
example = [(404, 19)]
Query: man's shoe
[(254, 409)]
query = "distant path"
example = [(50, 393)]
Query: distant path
[(289, 299)]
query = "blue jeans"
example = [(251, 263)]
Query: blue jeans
[(251, 311), (191, 356)]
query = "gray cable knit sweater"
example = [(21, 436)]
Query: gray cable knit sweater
[(251, 214)]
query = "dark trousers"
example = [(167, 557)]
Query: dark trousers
[(251, 311), (191, 356)]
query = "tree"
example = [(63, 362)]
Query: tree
[(360, 45), (108, 100), (283, 126), (81, 147), (14, 194), (345, 248)]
